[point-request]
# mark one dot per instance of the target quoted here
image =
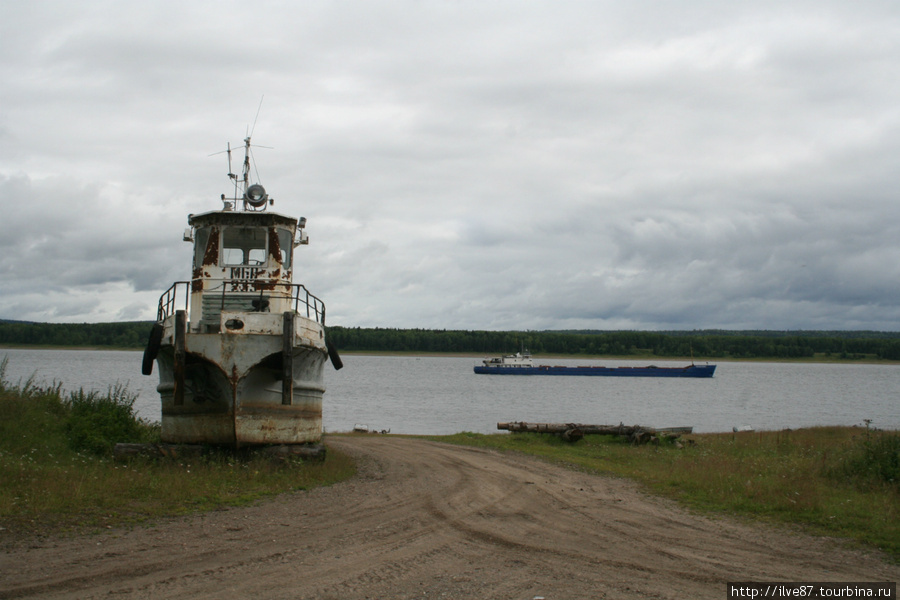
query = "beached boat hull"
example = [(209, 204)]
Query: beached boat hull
[(233, 389), (650, 371)]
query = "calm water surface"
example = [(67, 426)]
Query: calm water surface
[(430, 395)]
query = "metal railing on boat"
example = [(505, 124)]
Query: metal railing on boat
[(302, 301)]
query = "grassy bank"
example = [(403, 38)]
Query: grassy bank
[(838, 481), (57, 473)]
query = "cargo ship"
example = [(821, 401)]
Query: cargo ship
[(521, 363)]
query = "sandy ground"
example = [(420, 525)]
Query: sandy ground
[(428, 520)]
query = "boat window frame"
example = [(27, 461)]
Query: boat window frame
[(201, 243), (286, 245), (248, 252)]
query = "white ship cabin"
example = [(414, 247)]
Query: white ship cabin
[(243, 263), (519, 359)]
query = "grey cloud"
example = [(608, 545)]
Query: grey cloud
[(636, 165)]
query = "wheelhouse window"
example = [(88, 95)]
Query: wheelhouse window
[(286, 245), (201, 239), (244, 246)]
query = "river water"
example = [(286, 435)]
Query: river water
[(441, 395)]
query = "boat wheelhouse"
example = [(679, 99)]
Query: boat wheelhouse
[(510, 361)]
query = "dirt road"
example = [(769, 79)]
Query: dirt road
[(426, 520)]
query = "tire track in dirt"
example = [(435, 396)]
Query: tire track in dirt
[(424, 519)]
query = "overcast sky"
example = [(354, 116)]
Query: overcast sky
[(465, 165)]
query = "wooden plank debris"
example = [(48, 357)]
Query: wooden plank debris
[(575, 431)]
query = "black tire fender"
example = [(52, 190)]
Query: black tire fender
[(336, 361), (152, 348)]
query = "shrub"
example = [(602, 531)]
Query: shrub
[(873, 459), (97, 423)]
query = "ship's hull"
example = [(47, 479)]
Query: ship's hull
[(233, 389), (650, 371)]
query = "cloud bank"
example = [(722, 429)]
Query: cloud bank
[(465, 165)]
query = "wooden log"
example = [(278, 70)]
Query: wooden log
[(636, 433), (563, 427), (620, 429)]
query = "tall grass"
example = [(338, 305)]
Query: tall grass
[(96, 423), (57, 471), (871, 461), (84, 421), (838, 481)]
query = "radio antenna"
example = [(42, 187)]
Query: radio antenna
[(256, 118), (231, 174), (254, 196)]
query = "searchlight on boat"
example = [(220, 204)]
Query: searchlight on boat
[(256, 195)]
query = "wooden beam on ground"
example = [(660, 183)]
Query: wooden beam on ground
[(575, 431)]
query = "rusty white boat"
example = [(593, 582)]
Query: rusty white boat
[(240, 348)]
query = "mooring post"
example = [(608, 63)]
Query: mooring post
[(180, 327), (287, 360)]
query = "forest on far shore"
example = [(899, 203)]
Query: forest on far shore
[(702, 344)]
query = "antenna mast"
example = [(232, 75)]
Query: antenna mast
[(231, 174), (246, 169), (254, 196)]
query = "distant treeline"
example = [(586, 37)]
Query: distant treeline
[(132, 334), (702, 344)]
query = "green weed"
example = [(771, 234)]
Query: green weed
[(96, 423), (870, 460)]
